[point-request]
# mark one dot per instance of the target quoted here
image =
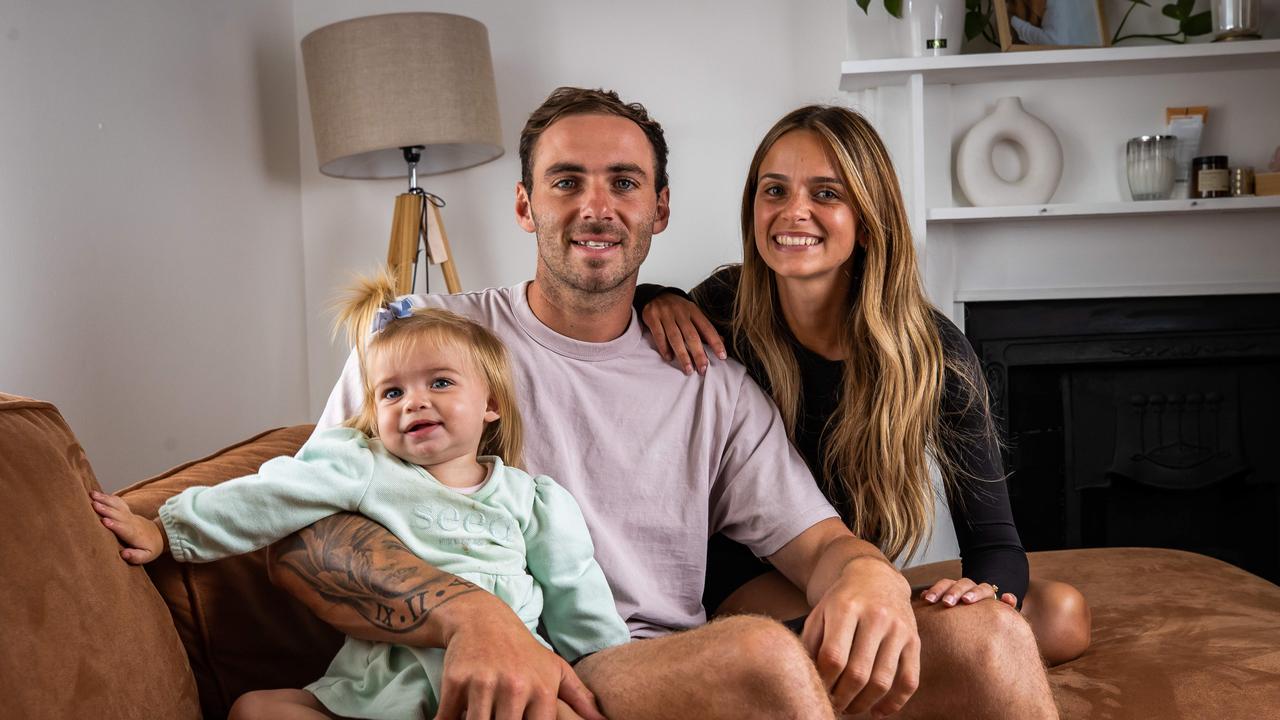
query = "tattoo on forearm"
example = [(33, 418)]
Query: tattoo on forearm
[(351, 560)]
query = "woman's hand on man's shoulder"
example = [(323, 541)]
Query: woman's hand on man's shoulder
[(681, 332)]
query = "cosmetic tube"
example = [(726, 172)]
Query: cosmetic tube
[(1188, 130)]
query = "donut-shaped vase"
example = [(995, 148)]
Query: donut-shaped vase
[(1040, 150)]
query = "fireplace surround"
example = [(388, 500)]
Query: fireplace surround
[(1140, 421)]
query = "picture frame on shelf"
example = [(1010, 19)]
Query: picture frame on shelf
[(1050, 24)]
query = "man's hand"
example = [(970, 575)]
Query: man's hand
[(862, 636), (493, 667), (862, 630)]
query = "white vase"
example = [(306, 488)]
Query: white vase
[(1040, 150), (931, 27)]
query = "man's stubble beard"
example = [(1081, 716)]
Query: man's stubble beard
[(586, 289)]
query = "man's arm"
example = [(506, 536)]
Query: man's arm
[(357, 576), (862, 631)]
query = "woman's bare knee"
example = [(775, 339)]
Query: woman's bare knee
[(770, 594), (1060, 618)]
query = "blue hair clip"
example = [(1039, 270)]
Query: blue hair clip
[(392, 311)]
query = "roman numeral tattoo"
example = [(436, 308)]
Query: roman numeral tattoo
[(350, 560)]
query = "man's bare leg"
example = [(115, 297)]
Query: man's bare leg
[(737, 668), (287, 704), (976, 661)]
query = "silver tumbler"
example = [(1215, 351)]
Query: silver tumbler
[(1236, 19)]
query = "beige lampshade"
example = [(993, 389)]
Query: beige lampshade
[(384, 82)]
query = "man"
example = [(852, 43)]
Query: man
[(656, 460)]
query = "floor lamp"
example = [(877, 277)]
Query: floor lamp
[(404, 95)]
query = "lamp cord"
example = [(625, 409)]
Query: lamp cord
[(438, 201)]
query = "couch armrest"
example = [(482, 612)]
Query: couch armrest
[(84, 634), (240, 632)]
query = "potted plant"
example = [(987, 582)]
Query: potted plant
[(934, 26), (1190, 23)]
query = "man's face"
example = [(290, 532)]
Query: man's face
[(592, 203)]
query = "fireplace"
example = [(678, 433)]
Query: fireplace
[(1140, 421)]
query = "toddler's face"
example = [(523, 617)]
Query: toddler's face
[(432, 404)]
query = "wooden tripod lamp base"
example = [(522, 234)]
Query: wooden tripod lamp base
[(406, 227)]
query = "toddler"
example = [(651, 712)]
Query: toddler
[(424, 458)]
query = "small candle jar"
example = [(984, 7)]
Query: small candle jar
[(1209, 177), (1151, 165)]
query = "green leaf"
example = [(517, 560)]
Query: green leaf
[(863, 4), (1171, 10), (1185, 7), (1198, 24), (973, 24), (895, 7)]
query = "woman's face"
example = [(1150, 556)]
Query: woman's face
[(805, 226)]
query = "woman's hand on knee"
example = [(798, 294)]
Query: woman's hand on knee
[(950, 593), (679, 331)]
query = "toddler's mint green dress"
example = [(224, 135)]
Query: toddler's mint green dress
[(519, 537)]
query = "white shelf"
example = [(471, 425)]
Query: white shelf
[(1058, 64), (1108, 210)]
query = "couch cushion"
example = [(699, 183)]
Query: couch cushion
[(241, 633), (1175, 635), (83, 633)]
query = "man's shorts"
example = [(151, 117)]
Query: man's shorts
[(796, 625)]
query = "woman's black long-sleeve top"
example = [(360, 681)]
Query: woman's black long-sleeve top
[(990, 549)]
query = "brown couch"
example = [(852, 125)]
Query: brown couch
[(1176, 635)]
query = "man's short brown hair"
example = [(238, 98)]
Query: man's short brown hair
[(566, 101)]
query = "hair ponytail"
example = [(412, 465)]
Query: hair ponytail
[(359, 306)]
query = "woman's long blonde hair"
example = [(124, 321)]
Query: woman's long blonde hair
[(503, 437), (887, 425)]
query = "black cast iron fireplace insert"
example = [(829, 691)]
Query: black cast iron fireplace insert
[(1140, 421)]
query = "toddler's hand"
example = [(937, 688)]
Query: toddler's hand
[(142, 538)]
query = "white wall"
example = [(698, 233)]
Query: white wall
[(150, 259), (715, 74), (169, 249)]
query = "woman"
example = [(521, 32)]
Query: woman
[(828, 314)]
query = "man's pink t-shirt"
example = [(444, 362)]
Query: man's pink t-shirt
[(657, 460)]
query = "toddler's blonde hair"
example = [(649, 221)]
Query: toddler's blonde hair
[(503, 437)]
